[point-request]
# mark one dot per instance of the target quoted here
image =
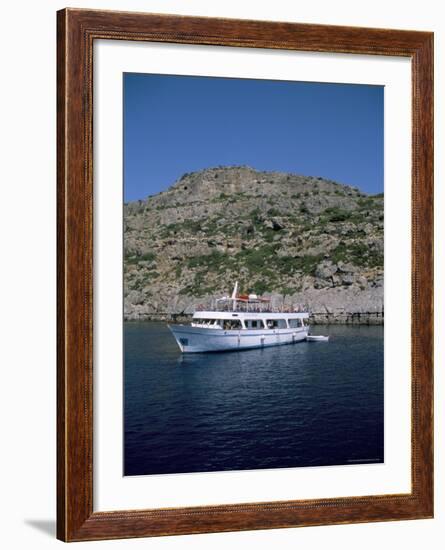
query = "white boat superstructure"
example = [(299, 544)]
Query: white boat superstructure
[(240, 322)]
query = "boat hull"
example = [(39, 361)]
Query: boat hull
[(202, 340)]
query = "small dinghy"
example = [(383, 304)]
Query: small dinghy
[(314, 338)]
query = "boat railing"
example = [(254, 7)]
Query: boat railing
[(251, 307)]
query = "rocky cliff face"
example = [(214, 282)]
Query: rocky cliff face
[(302, 240)]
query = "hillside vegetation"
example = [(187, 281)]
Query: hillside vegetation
[(300, 239)]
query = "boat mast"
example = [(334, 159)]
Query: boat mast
[(234, 293)]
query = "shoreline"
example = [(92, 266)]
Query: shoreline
[(315, 318)]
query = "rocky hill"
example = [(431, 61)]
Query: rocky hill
[(304, 240)]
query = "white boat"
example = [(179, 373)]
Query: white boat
[(240, 322), (317, 338)]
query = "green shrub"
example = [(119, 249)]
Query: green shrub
[(213, 261), (260, 287), (135, 259), (273, 212), (358, 254), (336, 214)]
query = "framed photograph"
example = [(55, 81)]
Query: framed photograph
[(245, 229)]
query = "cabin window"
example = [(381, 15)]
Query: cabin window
[(253, 323), (276, 323), (206, 322), (232, 324)]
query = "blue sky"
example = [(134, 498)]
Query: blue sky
[(177, 124)]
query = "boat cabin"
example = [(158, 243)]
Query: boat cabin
[(254, 321), (247, 312)]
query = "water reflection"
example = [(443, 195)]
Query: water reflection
[(295, 405)]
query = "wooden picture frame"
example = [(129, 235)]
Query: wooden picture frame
[(77, 31)]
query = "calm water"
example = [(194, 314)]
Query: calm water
[(308, 404)]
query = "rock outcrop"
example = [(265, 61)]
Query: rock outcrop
[(301, 240)]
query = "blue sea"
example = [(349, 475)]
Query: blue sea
[(307, 404)]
